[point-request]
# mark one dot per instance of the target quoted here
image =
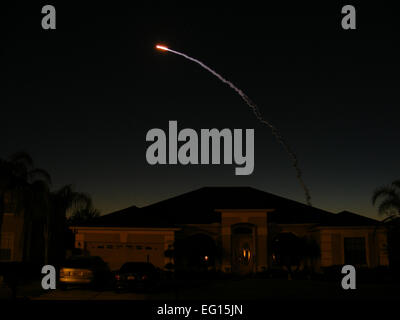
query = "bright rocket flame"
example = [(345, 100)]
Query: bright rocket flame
[(162, 48)]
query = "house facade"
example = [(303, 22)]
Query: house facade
[(231, 229), (11, 241), (21, 237)]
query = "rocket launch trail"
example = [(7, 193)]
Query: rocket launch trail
[(257, 113)]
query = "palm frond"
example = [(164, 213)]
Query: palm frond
[(64, 190), (383, 192), (389, 218), (21, 157), (39, 174), (71, 199), (82, 200), (388, 205), (396, 184)]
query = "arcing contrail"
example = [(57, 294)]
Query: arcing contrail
[(257, 113)]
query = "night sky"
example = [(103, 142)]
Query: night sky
[(80, 99)]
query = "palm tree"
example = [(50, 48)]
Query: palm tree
[(26, 188), (390, 203), (64, 200), (83, 215)]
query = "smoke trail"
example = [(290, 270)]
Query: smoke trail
[(258, 115)]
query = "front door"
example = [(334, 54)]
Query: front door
[(243, 250)]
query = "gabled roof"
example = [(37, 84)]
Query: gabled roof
[(199, 207)]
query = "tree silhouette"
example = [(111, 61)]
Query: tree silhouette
[(388, 198), (82, 215), (24, 190), (291, 251), (64, 200)]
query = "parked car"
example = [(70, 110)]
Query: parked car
[(136, 276), (89, 271)]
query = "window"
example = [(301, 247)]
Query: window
[(5, 254), (245, 255), (10, 205), (6, 246), (354, 251)]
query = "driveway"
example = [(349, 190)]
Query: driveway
[(80, 294)]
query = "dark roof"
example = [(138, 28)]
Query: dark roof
[(347, 218), (128, 217), (198, 206)]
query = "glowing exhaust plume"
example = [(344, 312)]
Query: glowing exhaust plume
[(258, 115), (162, 48)]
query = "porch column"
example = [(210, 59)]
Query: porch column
[(226, 249)]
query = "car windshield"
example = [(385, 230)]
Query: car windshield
[(137, 267), (82, 262)]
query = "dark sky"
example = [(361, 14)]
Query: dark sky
[(80, 99)]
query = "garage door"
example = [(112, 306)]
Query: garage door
[(116, 254)]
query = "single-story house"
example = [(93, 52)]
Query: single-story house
[(231, 229)]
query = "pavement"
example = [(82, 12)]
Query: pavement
[(228, 289), (81, 294), (26, 291)]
